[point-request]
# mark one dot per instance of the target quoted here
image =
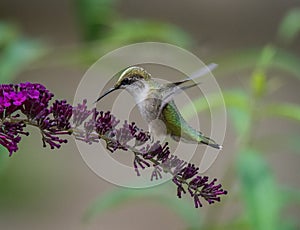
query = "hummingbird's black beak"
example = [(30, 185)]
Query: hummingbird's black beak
[(106, 93)]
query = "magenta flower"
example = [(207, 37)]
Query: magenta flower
[(17, 98), (28, 104)]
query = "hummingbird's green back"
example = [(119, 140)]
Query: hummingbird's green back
[(179, 129), (176, 126)]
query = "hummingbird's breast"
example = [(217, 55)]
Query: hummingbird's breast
[(147, 98)]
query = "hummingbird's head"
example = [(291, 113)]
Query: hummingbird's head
[(131, 75), (129, 78)]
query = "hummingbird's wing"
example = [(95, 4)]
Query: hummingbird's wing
[(174, 88), (201, 72)]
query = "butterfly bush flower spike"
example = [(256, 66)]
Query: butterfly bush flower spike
[(30, 104)]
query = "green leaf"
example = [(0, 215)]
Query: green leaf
[(241, 121), (259, 83), (266, 57), (16, 56), (8, 33), (290, 26), (290, 195), (287, 62), (259, 78), (271, 142), (16, 52), (237, 104), (290, 224), (232, 98), (293, 143), (260, 191), (117, 198), (95, 17), (285, 110), (131, 31), (236, 101), (236, 224), (247, 58)]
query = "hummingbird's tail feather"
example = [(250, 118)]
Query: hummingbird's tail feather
[(210, 142)]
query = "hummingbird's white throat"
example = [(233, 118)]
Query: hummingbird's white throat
[(139, 90)]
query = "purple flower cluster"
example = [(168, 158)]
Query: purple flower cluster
[(155, 155), (100, 125), (197, 186), (10, 135), (30, 104)]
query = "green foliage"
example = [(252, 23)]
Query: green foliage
[(16, 52), (95, 17), (241, 120), (259, 190), (235, 98), (261, 193), (132, 31), (244, 59), (100, 22), (266, 57), (292, 141), (259, 78), (264, 199), (236, 101), (259, 83), (289, 27), (103, 30), (7, 33), (284, 110), (117, 198)]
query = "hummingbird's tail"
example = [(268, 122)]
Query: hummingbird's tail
[(210, 142)]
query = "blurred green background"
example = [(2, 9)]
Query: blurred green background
[(257, 46)]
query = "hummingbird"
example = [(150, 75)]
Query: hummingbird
[(155, 102)]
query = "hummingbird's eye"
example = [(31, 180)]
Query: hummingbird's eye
[(126, 81)]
